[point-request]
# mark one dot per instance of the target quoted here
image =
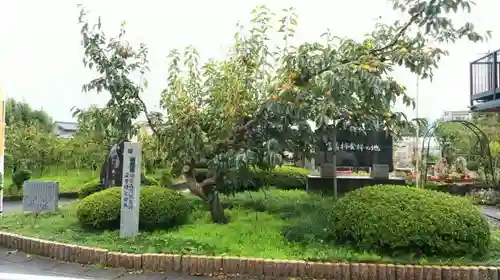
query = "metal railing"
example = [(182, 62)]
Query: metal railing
[(485, 77)]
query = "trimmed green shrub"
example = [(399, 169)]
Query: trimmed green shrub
[(162, 208), (90, 188), (95, 185), (283, 177), (159, 208), (19, 177), (100, 210), (148, 180), (286, 177), (409, 220)]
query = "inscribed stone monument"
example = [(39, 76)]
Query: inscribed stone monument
[(131, 189), (40, 196), (356, 149)]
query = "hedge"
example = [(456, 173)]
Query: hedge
[(409, 220), (282, 177), (159, 208), (95, 185)]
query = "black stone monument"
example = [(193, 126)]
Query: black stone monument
[(111, 170), (354, 150)]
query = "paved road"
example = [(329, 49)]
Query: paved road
[(492, 212), (19, 266), (13, 206)]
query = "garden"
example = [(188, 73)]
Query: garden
[(375, 224), (234, 134)]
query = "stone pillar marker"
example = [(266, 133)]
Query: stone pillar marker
[(131, 189)]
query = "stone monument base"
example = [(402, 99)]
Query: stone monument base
[(316, 183)]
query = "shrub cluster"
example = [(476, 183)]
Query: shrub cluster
[(283, 177), (409, 220), (159, 208), (19, 177)]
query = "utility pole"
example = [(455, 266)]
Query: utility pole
[(417, 162)]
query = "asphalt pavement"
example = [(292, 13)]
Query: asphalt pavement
[(19, 266), (16, 265), (16, 206)]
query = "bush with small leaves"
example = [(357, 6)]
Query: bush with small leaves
[(159, 208), (19, 177), (286, 177), (282, 177), (409, 220), (90, 188), (96, 186)]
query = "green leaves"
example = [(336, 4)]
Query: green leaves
[(115, 60), (256, 105)]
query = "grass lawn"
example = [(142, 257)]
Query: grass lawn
[(273, 224), (69, 181)]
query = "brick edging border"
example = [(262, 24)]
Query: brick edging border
[(205, 265), (73, 195)]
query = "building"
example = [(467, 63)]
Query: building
[(485, 83), (65, 129), (456, 115), (407, 149)]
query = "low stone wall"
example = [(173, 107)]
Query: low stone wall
[(210, 265)]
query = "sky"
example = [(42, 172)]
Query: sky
[(41, 55)]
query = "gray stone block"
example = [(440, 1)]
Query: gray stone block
[(40, 196)]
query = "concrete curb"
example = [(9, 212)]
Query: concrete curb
[(209, 265), (72, 195)]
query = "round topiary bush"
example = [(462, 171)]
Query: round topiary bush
[(159, 208), (95, 185), (19, 177), (400, 219)]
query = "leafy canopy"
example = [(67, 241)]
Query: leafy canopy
[(251, 107), (115, 62), (263, 99)]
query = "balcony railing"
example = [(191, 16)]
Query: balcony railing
[(485, 80)]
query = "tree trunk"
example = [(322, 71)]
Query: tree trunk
[(216, 209), (206, 191)]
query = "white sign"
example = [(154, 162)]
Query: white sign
[(347, 146), (131, 189)]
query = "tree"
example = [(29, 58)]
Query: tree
[(246, 111), (21, 113), (95, 122), (115, 61)]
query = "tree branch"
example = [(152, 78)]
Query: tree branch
[(303, 80), (231, 140), (189, 175), (199, 189), (148, 118), (400, 33)]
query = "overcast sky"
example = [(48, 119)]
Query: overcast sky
[(41, 56)]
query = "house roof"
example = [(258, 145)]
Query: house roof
[(71, 126)]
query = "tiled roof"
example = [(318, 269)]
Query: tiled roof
[(68, 126)]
